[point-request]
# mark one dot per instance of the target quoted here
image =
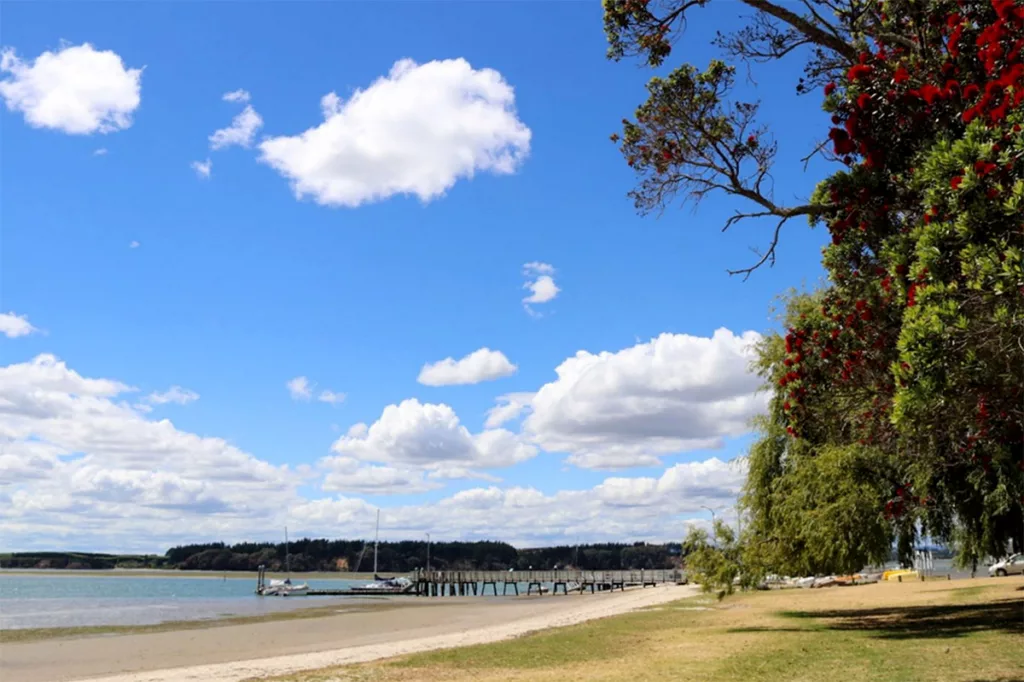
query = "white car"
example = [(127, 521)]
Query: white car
[(1013, 565)]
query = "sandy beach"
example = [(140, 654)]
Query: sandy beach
[(236, 652)]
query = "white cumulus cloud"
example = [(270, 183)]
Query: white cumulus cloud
[(677, 392), (480, 365), (427, 436), (630, 509), (76, 89), (12, 326), (81, 467), (346, 474), (74, 455), (416, 131)]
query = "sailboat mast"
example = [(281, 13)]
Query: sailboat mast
[(287, 555), (376, 542)]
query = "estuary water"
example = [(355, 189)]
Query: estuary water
[(46, 599)]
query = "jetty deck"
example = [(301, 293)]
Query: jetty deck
[(469, 583)]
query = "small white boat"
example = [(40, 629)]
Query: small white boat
[(379, 586), (399, 585), (283, 588), (280, 588)]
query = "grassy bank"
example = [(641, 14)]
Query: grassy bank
[(967, 631), (37, 634)]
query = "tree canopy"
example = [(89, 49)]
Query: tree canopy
[(897, 402)]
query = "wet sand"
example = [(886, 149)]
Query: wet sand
[(235, 652)]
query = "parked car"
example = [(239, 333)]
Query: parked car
[(1012, 565)]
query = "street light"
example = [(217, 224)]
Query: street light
[(710, 510), (428, 552)]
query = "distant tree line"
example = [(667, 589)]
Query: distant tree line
[(81, 560), (407, 556), (357, 555)]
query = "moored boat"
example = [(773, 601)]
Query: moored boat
[(283, 588)]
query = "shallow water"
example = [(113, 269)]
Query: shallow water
[(48, 600)]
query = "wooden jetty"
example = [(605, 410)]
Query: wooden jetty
[(468, 583), (476, 583)]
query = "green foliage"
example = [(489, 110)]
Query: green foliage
[(716, 564)]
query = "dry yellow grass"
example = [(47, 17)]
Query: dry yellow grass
[(963, 631)]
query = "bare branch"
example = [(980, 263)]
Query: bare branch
[(769, 255), (821, 146)]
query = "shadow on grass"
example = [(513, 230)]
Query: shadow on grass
[(924, 622), (767, 629)]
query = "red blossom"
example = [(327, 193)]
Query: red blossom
[(858, 72)]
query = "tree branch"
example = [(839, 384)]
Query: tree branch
[(815, 33)]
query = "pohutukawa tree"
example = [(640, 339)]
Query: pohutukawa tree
[(898, 390)]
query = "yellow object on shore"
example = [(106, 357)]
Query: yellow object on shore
[(904, 573)]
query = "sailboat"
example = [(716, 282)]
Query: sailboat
[(281, 588), (382, 585)]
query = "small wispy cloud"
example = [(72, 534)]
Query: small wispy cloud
[(237, 96), (540, 283), (203, 168), (299, 388), (102, 151), (134, 245), (331, 397), (241, 132), (175, 394)]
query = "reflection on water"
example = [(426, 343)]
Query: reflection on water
[(43, 601)]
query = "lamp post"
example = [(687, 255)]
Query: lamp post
[(428, 552), (710, 510)]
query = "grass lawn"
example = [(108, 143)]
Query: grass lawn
[(962, 631)]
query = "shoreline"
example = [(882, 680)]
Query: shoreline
[(313, 610), (230, 653)]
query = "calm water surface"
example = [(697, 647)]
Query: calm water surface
[(46, 600)]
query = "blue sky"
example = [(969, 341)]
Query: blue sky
[(235, 286)]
